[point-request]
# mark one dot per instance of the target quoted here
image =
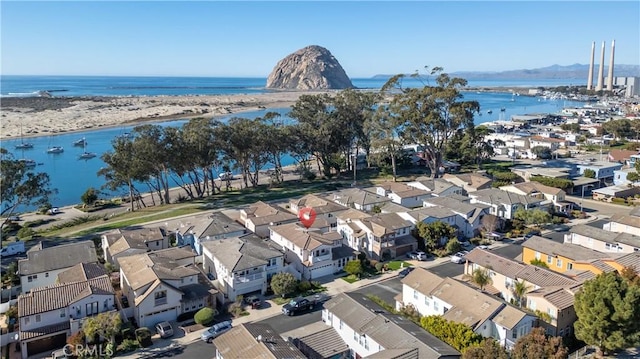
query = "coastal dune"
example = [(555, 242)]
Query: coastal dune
[(41, 116)]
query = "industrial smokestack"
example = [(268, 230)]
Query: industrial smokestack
[(601, 70), (610, 77), (590, 79)]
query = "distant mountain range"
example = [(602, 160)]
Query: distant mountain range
[(575, 71)]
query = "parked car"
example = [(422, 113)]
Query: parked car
[(418, 255), (54, 210), (459, 257), (405, 272), (213, 332), (484, 246), (164, 329), (531, 234), (253, 301), (466, 245)]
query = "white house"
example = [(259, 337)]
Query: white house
[(381, 236), (504, 204), (455, 301), (42, 265), (538, 190), (623, 223), (49, 315), (602, 240), (313, 254), (124, 242), (604, 171), (371, 332), (259, 216), (359, 199), (470, 182), (242, 265), (163, 284), (469, 216), (326, 210), (402, 194), (438, 187), (210, 227)]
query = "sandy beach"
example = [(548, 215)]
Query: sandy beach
[(41, 116)]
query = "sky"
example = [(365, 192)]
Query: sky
[(247, 39)]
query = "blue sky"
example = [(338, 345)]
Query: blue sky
[(213, 38)]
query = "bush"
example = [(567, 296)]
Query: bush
[(143, 335), (379, 266), (128, 345), (613, 200), (25, 232), (236, 309), (304, 286), (204, 316)]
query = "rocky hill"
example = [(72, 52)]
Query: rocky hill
[(310, 68)]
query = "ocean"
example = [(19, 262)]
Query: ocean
[(72, 176)]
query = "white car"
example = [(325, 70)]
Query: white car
[(458, 258)]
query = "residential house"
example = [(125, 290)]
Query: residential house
[(371, 332), (393, 208), (402, 194), (621, 156), (381, 236), (504, 204), (323, 344), (546, 290), (163, 284), (623, 223), (359, 199), (434, 214), (436, 186), (48, 315), (325, 210), (259, 216), (528, 171), (621, 191), (254, 340), (430, 294), (42, 265), (210, 227), (242, 265), (548, 142), (470, 182), (603, 170), (538, 190), (602, 240), (311, 253), (560, 257), (469, 216), (347, 227), (125, 242), (620, 176)]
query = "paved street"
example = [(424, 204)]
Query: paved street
[(385, 290)]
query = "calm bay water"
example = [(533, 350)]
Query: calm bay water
[(72, 176)]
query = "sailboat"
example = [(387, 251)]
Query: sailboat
[(80, 143), (23, 145), (86, 155), (55, 149)]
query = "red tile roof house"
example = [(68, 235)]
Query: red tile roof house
[(621, 156)]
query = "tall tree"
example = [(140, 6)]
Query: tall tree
[(105, 325), (122, 169), (431, 115), (608, 311), (384, 140), (489, 349), (520, 289), (20, 186), (434, 232), (481, 277), (536, 345)]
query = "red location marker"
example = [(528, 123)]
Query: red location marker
[(307, 216)]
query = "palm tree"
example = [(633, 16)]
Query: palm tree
[(481, 277), (520, 288)]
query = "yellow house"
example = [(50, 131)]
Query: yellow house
[(598, 266), (559, 257)]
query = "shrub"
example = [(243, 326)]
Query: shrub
[(128, 345), (379, 266), (143, 335), (25, 232), (205, 316), (613, 200), (304, 286), (235, 309)]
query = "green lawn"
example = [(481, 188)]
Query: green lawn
[(395, 265), (350, 278)]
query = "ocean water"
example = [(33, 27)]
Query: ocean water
[(71, 176)]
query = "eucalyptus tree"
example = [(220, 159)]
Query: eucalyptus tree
[(431, 115), (122, 169), (276, 142), (383, 138), (20, 186), (298, 147), (152, 150), (245, 143)]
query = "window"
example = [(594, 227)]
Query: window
[(537, 255), (559, 263), (38, 318), (426, 301), (549, 259), (63, 313), (32, 278), (46, 275), (355, 336), (26, 320), (415, 294), (92, 308), (436, 306), (569, 266), (340, 325), (161, 297)]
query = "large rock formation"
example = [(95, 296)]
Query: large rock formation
[(310, 68)]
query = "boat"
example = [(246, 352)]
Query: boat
[(23, 145), (80, 143), (489, 112), (28, 163), (503, 109), (55, 149), (86, 155)]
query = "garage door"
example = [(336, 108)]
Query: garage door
[(400, 251), (47, 344), (151, 319)]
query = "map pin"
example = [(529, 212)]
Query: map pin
[(307, 216)]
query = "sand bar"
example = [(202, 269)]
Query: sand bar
[(43, 116)]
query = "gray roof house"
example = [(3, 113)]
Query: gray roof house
[(242, 265), (254, 340), (370, 331), (42, 266), (123, 242), (602, 240), (212, 226), (359, 199), (504, 204), (259, 216), (436, 186)]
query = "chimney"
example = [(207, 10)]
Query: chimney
[(601, 69), (610, 77), (590, 79)]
